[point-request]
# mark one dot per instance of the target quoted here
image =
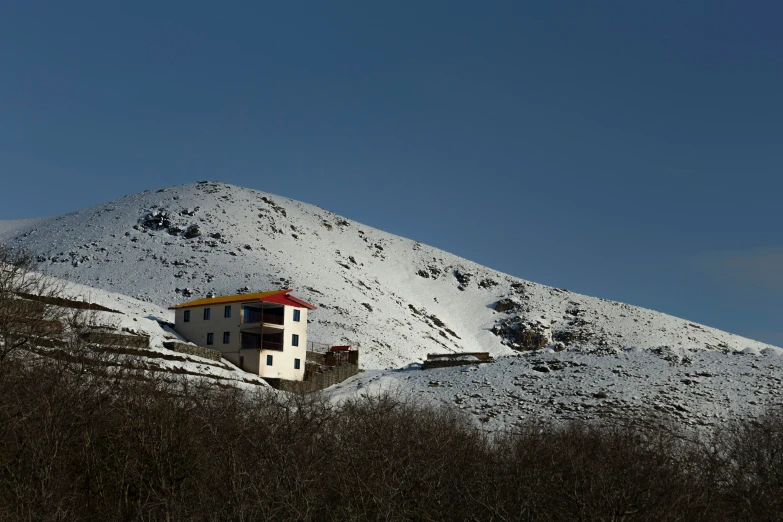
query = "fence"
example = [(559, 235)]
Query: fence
[(325, 365), (316, 347), (316, 381)]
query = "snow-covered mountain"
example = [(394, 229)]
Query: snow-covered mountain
[(395, 298)]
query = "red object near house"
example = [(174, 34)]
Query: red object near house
[(340, 349), (283, 297)]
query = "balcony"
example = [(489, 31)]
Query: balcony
[(251, 341), (256, 317)]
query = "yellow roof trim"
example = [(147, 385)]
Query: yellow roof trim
[(228, 299)]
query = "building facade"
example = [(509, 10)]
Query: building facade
[(263, 333)]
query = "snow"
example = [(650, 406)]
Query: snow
[(143, 318), (364, 281), (704, 388), (395, 299)]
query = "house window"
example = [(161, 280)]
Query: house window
[(206, 314), (294, 340), (296, 364), (269, 360), (210, 339), (227, 312), (226, 337), (297, 315), (187, 316)]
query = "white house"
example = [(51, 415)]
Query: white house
[(263, 333)]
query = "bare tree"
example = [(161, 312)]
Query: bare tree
[(26, 320), (39, 320)]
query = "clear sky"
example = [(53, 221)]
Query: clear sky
[(627, 150)]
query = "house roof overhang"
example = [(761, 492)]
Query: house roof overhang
[(287, 300), (275, 296)]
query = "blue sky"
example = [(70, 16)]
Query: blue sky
[(628, 150)]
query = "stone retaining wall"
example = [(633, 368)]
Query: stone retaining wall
[(191, 349), (316, 382)]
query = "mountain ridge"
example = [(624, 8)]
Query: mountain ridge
[(395, 298)]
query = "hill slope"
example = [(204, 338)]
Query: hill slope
[(125, 316), (393, 297)]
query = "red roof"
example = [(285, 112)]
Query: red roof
[(285, 298), (276, 296)]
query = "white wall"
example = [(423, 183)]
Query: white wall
[(283, 362), (196, 330), (282, 366)]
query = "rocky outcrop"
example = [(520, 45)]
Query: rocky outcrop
[(521, 334)]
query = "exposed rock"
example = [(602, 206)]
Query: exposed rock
[(507, 306), (523, 335), (463, 278), (156, 220), (277, 208), (487, 283), (192, 231)]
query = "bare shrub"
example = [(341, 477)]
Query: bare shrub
[(397, 460), (24, 322), (599, 472), (79, 445), (747, 462)]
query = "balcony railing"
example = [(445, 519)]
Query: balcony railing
[(268, 345), (255, 317), (254, 342)]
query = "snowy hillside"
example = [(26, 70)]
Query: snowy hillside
[(134, 317), (700, 388), (393, 297)]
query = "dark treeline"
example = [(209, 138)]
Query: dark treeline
[(85, 441)]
